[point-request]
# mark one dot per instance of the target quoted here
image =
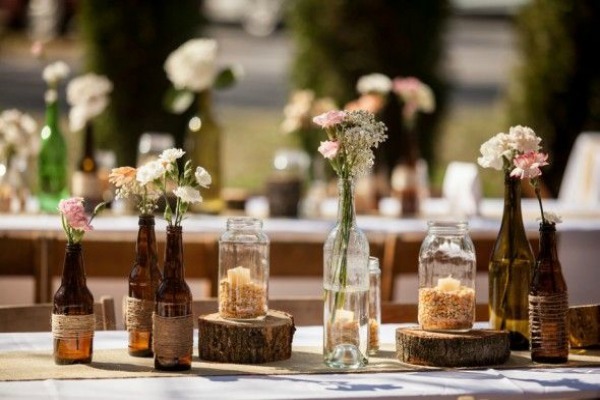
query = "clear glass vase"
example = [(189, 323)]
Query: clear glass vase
[(511, 265), (346, 286)]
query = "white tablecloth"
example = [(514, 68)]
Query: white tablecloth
[(563, 383)]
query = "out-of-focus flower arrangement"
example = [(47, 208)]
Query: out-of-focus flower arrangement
[(162, 177), (18, 135), (53, 74), (302, 107), (74, 220), (88, 96), (192, 68)]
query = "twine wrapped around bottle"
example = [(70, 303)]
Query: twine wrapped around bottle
[(547, 317), (137, 314), (173, 336), (73, 326)]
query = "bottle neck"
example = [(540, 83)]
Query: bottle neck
[(548, 243), (174, 254), (204, 102), (145, 247), (51, 116), (511, 215), (88, 160), (346, 210), (73, 271)]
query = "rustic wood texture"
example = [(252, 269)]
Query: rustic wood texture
[(246, 342), (584, 325), (476, 348)]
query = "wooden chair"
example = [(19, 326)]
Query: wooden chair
[(36, 317)]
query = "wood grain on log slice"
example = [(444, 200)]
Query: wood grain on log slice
[(476, 348), (584, 325), (246, 342)]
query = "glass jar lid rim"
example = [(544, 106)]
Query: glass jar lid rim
[(244, 222), (448, 225)]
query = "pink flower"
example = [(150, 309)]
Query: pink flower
[(527, 165), (74, 213), (330, 118), (329, 149)]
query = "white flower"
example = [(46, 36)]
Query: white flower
[(374, 83), (494, 150), (188, 194), (192, 65), (523, 139), (55, 72), (551, 217), (50, 96), (203, 177), (18, 132), (149, 172), (169, 156), (88, 96)]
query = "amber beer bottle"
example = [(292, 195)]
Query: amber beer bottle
[(73, 312), (548, 303), (173, 321), (144, 279), (85, 181)]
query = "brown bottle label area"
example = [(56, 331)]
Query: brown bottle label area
[(547, 318), (173, 336), (73, 326), (138, 314)]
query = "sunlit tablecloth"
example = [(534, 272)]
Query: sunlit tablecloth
[(561, 383)]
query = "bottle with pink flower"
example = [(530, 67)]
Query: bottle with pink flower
[(73, 319)]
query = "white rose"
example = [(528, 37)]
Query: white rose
[(192, 65), (523, 139), (551, 217), (149, 172), (493, 152), (374, 83), (203, 177), (169, 156), (55, 72), (188, 194)]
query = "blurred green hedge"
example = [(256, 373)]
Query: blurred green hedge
[(557, 87), (337, 41), (128, 41)]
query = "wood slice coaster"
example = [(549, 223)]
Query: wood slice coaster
[(476, 348), (246, 342), (584, 325)]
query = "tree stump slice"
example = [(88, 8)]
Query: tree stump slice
[(584, 325), (246, 342), (476, 348)]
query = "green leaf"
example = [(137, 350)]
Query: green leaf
[(178, 101), (226, 78)]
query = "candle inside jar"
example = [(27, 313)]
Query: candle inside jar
[(343, 315), (448, 284), (238, 276)]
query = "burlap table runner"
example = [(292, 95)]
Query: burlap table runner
[(39, 365)]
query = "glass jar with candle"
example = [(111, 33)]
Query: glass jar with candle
[(243, 270), (447, 271)]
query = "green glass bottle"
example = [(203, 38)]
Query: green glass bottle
[(203, 145), (511, 266), (52, 161)]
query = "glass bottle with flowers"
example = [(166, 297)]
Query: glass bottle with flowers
[(511, 261), (548, 295), (73, 319), (351, 137), (88, 96), (145, 276), (173, 321), (18, 143), (409, 178), (193, 71), (52, 159)]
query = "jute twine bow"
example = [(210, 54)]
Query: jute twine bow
[(73, 326), (173, 337), (138, 314)]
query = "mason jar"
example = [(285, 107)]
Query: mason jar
[(243, 270), (447, 271)]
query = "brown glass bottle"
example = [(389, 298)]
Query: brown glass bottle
[(548, 303), (73, 298), (173, 303), (85, 181), (144, 279), (510, 269)]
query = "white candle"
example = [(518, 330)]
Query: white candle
[(238, 276), (344, 315), (448, 284)]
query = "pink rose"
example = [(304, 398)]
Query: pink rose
[(329, 149), (527, 165), (74, 213), (330, 118)]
